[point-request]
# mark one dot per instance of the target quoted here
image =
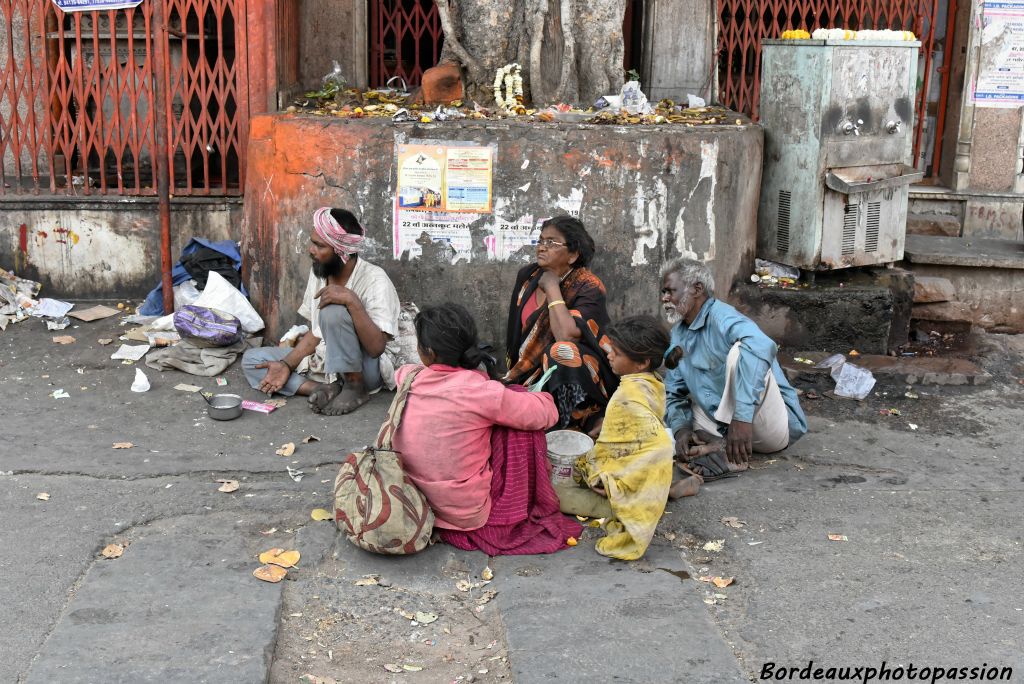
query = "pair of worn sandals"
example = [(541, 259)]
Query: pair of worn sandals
[(697, 471)]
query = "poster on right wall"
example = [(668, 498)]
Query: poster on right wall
[(1000, 80)]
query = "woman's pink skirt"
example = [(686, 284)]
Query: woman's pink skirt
[(525, 517)]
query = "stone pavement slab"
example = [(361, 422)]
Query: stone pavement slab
[(576, 616), (178, 606)]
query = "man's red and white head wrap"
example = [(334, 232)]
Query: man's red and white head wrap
[(330, 231)]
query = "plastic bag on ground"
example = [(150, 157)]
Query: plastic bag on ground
[(763, 267), (852, 381), (141, 383), (185, 294)]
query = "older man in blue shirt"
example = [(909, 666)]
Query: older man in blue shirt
[(726, 381)]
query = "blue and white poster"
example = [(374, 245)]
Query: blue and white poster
[(1000, 80), (94, 5)]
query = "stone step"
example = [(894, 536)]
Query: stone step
[(943, 312), (987, 276), (974, 253), (929, 289), (912, 370), (933, 224)]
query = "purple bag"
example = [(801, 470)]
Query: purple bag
[(207, 327)]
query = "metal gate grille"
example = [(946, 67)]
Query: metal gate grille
[(78, 102), (743, 23), (405, 39)]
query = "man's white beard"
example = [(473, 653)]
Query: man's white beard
[(671, 314)]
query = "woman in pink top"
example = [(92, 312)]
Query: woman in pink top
[(445, 436)]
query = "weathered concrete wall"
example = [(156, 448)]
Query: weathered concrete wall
[(102, 247), (645, 194)]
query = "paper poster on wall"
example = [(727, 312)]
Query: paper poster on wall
[(94, 5), (446, 231), (420, 176), (510, 238), (444, 176), (468, 179), (1000, 80)]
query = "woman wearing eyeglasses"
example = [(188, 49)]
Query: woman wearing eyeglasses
[(557, 317)]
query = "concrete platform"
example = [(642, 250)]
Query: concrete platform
[(864, 309), (645, 193)]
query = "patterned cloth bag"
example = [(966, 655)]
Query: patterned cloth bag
[(375, 504), (207, 327)]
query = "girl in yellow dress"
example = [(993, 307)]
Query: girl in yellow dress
[(631, 463)]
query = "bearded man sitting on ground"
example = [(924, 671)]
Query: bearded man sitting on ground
[(726, 391), (352, 307)]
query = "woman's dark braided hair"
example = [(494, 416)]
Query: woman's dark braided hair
[(641, 338), (449, 331)]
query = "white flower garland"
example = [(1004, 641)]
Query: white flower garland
[(508, 87)]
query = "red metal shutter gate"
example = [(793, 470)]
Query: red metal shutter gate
[(77, 105), (405, 39)]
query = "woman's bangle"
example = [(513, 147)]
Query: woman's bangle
[(556, 303)]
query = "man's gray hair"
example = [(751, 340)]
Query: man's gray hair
[(689, 272)]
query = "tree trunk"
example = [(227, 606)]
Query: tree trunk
[(570, 50)]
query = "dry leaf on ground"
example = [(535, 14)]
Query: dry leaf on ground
[(122, 445), (227, 486), (112, 551), (286, 449), (269, 532), (269, 573), (733, 522), (368, 581), (310, 438), (286, 559), (487, 574), (412, 668), (837, 537), (313, 679), (319, 514), (104, 341), (715, 545), (63, 339), (722, 582), (391, 667), (425, 618), (43, 496), (486, 597)]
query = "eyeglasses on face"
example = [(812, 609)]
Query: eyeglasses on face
[(548, 242)]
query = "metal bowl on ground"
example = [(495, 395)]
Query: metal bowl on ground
[(225, 406)]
